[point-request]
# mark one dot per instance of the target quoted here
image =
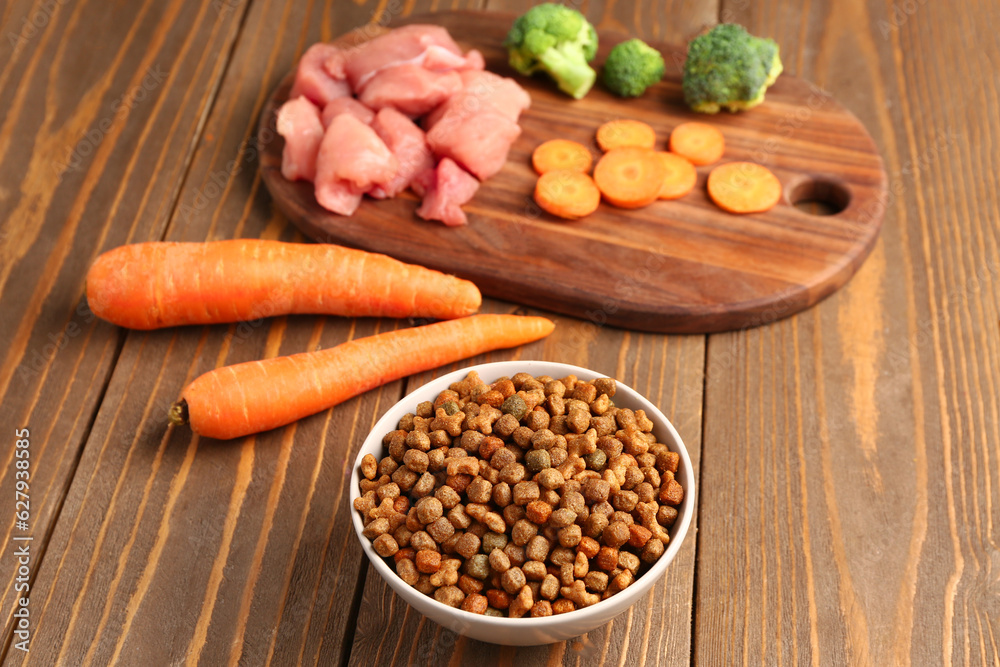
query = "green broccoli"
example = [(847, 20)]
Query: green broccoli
[(557, 40), (728, 67), (631, 68)]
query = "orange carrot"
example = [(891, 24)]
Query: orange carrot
[(234, 401), (680, 178), (623, 132), (567, 194), (743, 187), (153, 285), (630, 177), (700, 143), (557, 154)]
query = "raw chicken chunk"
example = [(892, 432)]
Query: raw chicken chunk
[(407, 143), (445, 190), (299, 123), (313, 77), (412, 89), (347, 105), (428, 45), (351, 159), (479, 142), (481, 89)]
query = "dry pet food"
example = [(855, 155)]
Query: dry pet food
[(530, 496)]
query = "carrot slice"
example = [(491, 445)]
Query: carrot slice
[(567, 194), (680, 177), (557, 154), (234, 401), (630, 177), (700, 143), (624, 132), (743, 187)]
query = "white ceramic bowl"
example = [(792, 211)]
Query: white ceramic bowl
[(528, 631)]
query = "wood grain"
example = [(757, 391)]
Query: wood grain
[(690, 266), (862, 436), (95, 136)]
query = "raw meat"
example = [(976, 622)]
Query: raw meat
[(347, 105), (351, 159), (407, 143), (299, 123), (479, 142), (445, 190), (412, 89), (481, 89), (314, 80), (427, 45)]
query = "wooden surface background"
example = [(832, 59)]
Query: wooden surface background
[(849, 456)]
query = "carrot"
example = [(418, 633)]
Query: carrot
[(630, 177), (557, 154), (680, 177), (234, 401), (623, 132), (567, 194), (153, 285), (743, 187), (700, 143)]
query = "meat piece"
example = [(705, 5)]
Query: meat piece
[(338, 196), (351, 159), (408, 144), (347, 105), (428, 45), (481, 89), (313, 76), (411, 89), (299, 123), (479, 142), (446, 189), (477, 126)]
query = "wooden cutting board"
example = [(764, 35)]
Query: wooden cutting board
[(680, 266)]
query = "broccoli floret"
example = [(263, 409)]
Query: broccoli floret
[(728, 67), (631, 68), (558, 40)]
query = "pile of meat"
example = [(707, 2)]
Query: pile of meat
[(404, 110)]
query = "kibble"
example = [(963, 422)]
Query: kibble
[(527, 497)]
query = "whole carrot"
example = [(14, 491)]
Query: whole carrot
[(153, 285), (238, 400)]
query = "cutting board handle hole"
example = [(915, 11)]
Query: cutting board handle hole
[(819, 197)]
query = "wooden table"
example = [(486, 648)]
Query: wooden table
[(849, 456)]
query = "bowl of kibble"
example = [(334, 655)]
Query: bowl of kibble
[(522, 502)]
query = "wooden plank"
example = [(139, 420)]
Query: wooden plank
[(850, 482), (169, 547), (95, 138), (668, 370), (708, 270)]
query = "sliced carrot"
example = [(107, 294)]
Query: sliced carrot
[(680, 178), (234, 401), (630, 177), (567, 194), (153, 285), (743, 187), (561, 154), (700, 143), (624, 132)]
